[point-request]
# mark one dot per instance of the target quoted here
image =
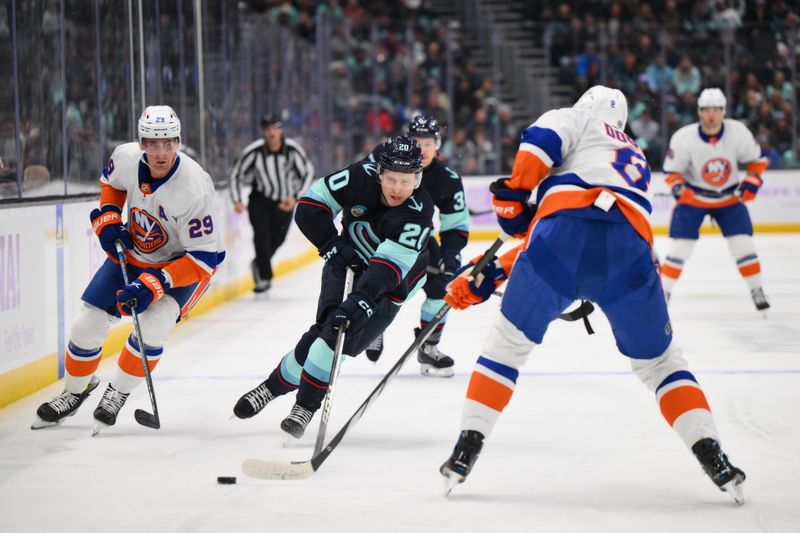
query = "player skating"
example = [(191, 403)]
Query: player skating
[(447, 192), (386, 219), (590, 239), (172, 253), (702, 170)]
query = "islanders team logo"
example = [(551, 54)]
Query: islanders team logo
[(146, 231), (716, 171)]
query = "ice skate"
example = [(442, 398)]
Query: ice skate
[(66, 404), (375, 349), (295, 424), (459, 465), (262, 285), (433, 362), (760, 300), (253, 402), (107, 410), (716, 464)]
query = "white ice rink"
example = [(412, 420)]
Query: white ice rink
[(581, 448)]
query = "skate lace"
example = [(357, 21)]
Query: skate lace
[(758, 296), (301, 415), (260, 397), (432, 351), (64, 402), (113, 400), (715, 461), (376, 344)]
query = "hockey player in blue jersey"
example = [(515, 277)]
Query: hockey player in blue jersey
[(590, 238), (386, 220)]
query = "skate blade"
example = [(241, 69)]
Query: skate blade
[(451, 479), (735, 489), (43, 424), (433, 372), (98, 427)]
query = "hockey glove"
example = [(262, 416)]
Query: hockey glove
[(340, 254), (107, 225), (356, 309), (451, 262), (141, 292), (514, 213), (748, 188), (463, 292)]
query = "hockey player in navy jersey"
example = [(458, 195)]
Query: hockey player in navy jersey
[(702, 169), (590, 238), (445, 187), (173, 250), (386, 219)]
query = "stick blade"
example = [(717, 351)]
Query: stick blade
[(146, 419), (295, 470)]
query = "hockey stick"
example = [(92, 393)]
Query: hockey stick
[(142, 417), (337, 355), (303, 469)]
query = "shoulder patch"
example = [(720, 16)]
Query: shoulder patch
[(415, 205), (370, 168), (453, 174)]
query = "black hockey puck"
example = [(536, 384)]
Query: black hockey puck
[(226, 480)]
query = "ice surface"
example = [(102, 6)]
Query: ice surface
[(582, 446)]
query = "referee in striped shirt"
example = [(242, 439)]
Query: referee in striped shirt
[(279, 171)]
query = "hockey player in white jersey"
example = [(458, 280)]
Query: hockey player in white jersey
[(702, 169), (590, 238), (173, 249)]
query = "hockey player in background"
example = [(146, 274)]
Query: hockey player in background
[(386, 219), (172, 252), (702, 169), (590, 238), (445, 188)]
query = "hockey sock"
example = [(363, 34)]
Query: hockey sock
[(286, 376), (429, 309), (672, 266), (130, 371), (490, 388), (685, 407), (316, 375), (79, 365), (743, 250)]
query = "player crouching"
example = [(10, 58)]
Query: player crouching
[(172, 252)]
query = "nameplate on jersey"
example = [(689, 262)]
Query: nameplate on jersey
[(605, 200)]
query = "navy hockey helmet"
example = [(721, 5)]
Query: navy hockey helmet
[(425, 126), (401, 154)]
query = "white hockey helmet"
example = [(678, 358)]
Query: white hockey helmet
[(711, 98), (607, 103), (159, 122)]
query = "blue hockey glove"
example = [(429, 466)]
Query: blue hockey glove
[(141, 292), (748, 188), (107, 225), (514, 213), (340, 254), (356, 309), (451, 262)]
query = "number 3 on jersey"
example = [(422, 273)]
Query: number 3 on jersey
[(633, 168)]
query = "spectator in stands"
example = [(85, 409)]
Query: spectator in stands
[(460, 152), (686, 77), (768, 151), (646, 132), (780, 85)]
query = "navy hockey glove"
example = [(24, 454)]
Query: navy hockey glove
[(451, 262), (340, 254), (514, 213), (748, 188), (356, 309), (107, 225), (463, 292), (141, 292)]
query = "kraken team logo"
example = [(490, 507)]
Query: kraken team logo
[(364, 238), (146, 231), (716, 171), (358, 210)]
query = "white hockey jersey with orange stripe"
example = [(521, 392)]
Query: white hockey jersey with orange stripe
[(171, 220), (709, 165), (572, 158)]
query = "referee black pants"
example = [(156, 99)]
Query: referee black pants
[(270, 226)]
